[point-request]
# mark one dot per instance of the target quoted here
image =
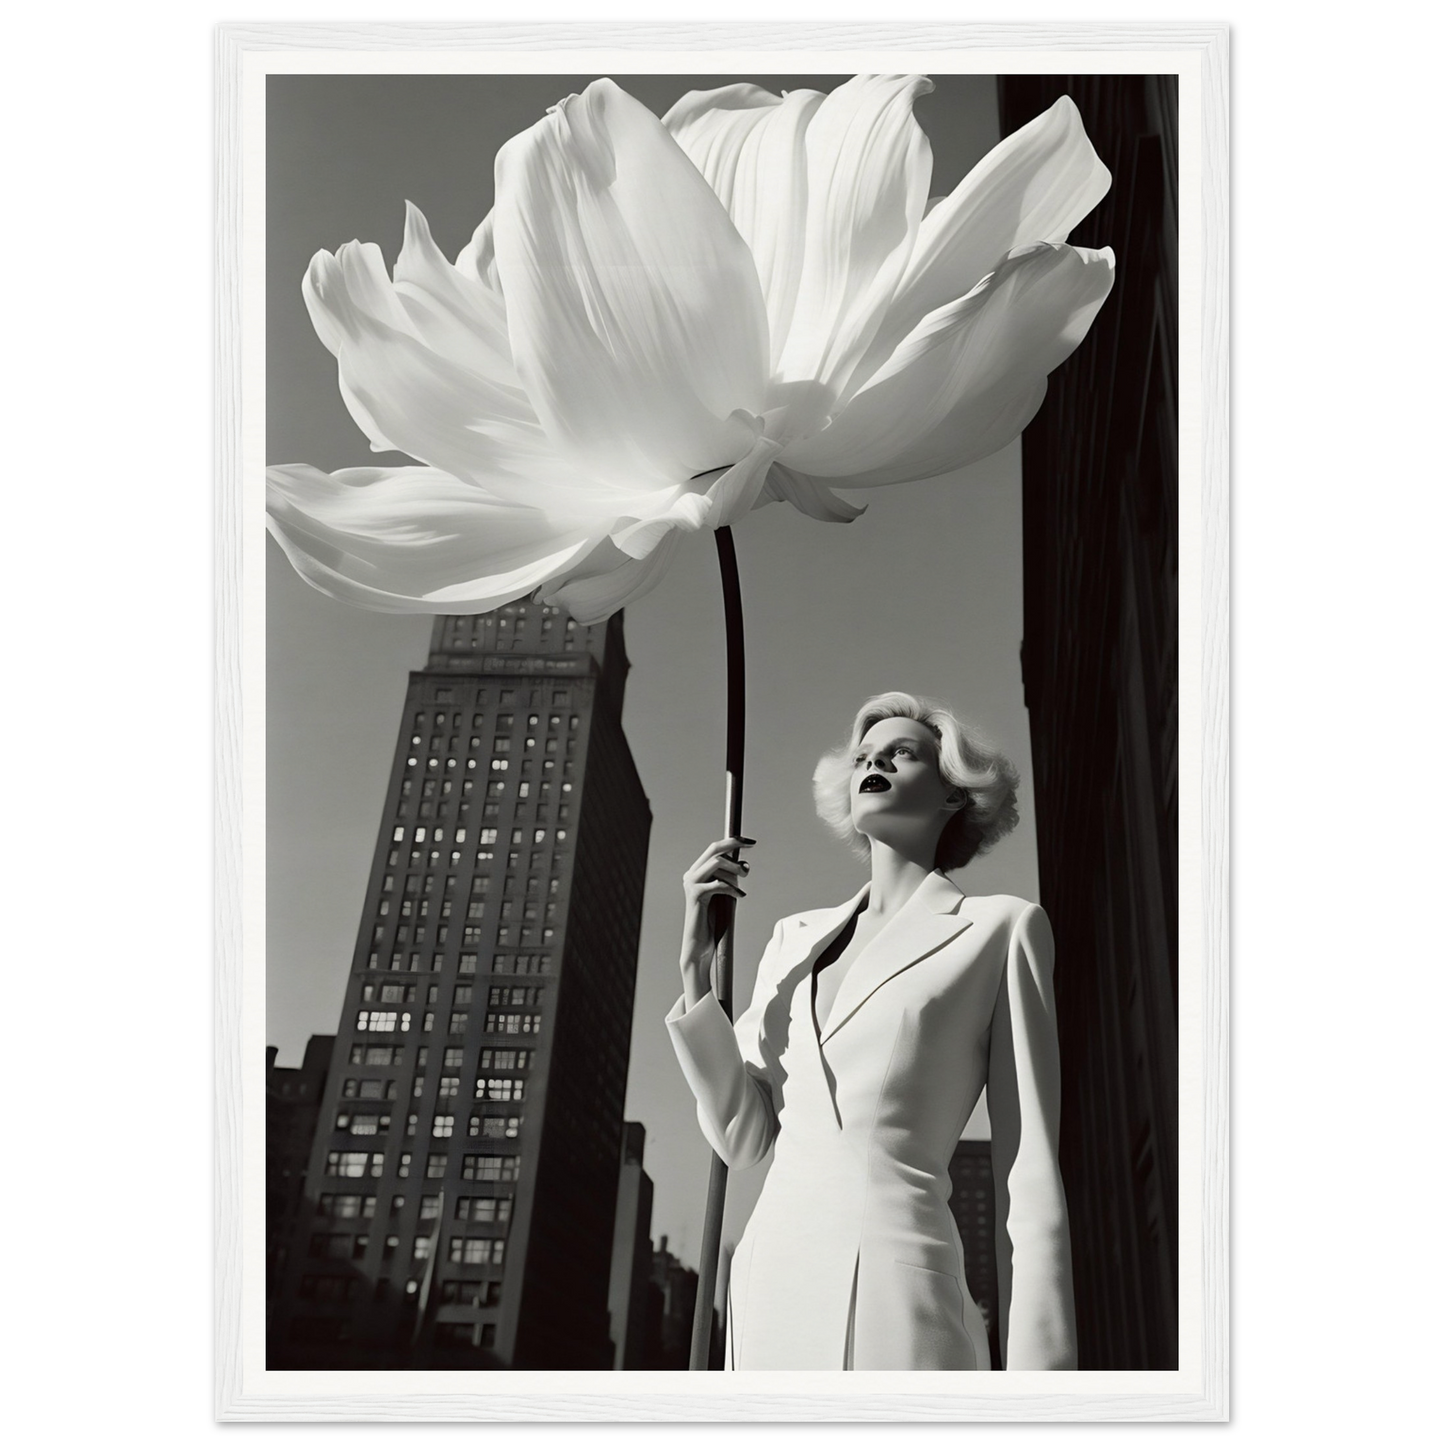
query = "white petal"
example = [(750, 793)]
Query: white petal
[(608, 580), (451, 311), (811, 497), (750, 144), (413, 539), (1035, 185), (634, 309), (868, 171), (970, 376), (407, 397)]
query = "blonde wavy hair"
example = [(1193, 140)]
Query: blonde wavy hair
[(965, 761)]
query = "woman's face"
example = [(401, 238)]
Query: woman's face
[(896, 787)]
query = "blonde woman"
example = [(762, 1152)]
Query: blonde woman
[(873, 1029)]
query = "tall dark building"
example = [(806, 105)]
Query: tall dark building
[(1101, 680), (631, 1254), (463, 1181), (972, 1202), (293, 1105)]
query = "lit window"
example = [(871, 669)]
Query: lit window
[(449, 1083), (476, 1251), (457, 1024), (403, 1167), (491, 1168), (484, 1211), (421, 1247), (348, 1206), (436, 1166), (452, 1059), (349, 1165)]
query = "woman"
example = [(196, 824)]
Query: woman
[(873, 1029)]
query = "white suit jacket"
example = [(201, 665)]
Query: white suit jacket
[(851, 1258)]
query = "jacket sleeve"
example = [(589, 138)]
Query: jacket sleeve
[(1035, 1272), (723, 1064)]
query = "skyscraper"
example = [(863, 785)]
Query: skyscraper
[(1101, 680), (463, 1180)]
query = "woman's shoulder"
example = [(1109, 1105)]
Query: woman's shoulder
[(1005, 909)]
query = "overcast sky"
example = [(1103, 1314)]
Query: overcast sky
[(921, 593)]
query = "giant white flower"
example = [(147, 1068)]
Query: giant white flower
[(663, 324)]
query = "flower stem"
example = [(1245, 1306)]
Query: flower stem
[(721, 913)]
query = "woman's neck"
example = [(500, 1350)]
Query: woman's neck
[(895, 879)]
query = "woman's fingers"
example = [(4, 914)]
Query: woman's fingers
[(720, 885), (714, 851)]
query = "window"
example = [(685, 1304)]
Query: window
[(476, 1251), (403, 1167), (441, 1126), (502, 1089), (449, 1084), (513, 1023), (337, 1246), (484, 1211), (368, 1089), (491, 1168), (452, 1059), (363, 1123), (515, 995), (421, 1247), (347, 1206), (489, 835), (350, 1165), (478, 1293), (457, 1023), (468, 963), (375, 1054), (431, 1206), (436, 1166), (382, 1021), (494, 1126), (506, 1058)]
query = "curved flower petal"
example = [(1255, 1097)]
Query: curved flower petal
[(607, 580), (1035, 185), (810, 496), (868, 167), (634, 309), (750, 144), (451, 310), (414, 539), (407, 397), (969, 378)]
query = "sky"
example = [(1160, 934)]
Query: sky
[(922, 593)]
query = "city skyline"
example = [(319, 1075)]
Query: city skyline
[(921, 593)]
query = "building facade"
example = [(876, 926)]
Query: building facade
[(972, 1202), (1101, 681), (462, 1184), (293, 1105), (631, 1254)]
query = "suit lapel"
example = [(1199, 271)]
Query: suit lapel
[(922, 926)]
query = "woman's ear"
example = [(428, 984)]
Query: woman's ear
[(956, 800)]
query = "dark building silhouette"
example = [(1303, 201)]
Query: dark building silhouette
[(293, 1104), (631, 1254), (462, 1184), (1100, 667), (972, 1203), (674, 1297)]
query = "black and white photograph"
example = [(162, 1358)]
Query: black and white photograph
[(719, 625)]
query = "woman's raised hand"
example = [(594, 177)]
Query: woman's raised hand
[(713, 875)]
